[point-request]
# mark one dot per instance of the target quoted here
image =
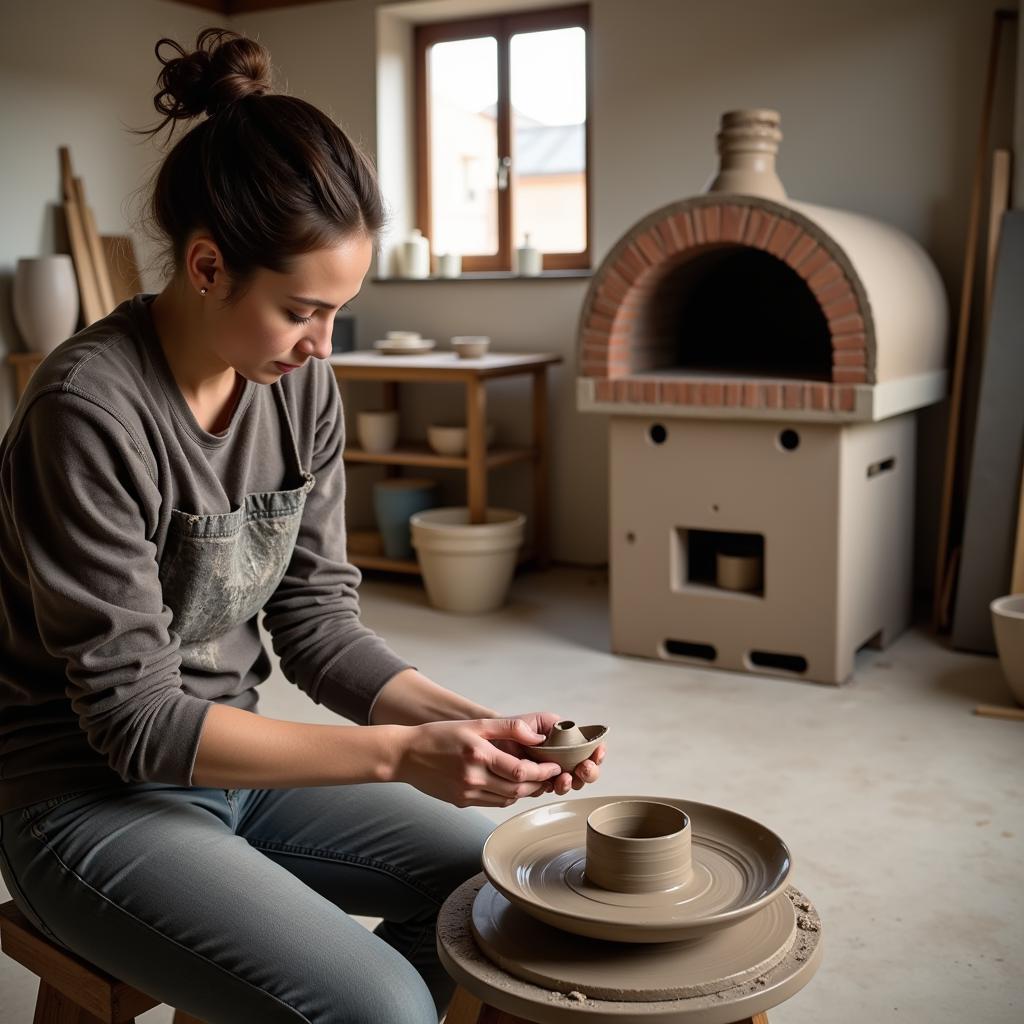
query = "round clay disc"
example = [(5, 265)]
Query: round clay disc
[(537, 861), (627, 971), (464, 960)]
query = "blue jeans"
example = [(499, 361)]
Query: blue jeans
[(233, 905)]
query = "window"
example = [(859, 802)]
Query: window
[(502, 138)]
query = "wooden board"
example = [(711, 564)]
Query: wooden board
[(88, 291), (993, 484), (96, 254), (948, 501)]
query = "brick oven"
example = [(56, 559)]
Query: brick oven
[(761, 361)]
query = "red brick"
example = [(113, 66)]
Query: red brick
[(651, 391), (850, 375), (603, 391), (597, 322), (803, 248), (617, 371), (772, 395), (711, 218), (734, 220), (767, 229), (830, 293), (844, 399), (669, 234), (621, 391), (840, 308), (683, 226), (850, 357), (714, 392), (752, 395), (792, 396), (694, 392), (813, 264), (592, 337), (828, 273), (629, 265), (842, 341), (602, 304), (651, 246), (783, 238), (850, 324), (820, 396), (614, 285), (755, 221), (733, 393)]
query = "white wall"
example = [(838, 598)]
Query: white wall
[(879, 100), (77, 74)]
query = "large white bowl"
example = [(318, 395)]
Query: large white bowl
[(467, 567), (1008, 625)]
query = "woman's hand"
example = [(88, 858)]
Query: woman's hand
[(458, 762), (584, 773)]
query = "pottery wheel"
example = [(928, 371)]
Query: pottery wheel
[(627, 971), (470, 967), (537, 859)]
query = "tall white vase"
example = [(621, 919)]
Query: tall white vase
[(45, 301)]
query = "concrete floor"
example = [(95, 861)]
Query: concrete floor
[(904, 812)]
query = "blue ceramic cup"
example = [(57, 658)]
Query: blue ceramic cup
[(394, 501)]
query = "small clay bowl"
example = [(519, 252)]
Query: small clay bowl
[(569, 756)]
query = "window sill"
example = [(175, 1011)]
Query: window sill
[(490, 275)]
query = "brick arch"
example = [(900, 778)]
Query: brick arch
[(613, 345)]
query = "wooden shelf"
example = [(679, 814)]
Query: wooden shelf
[(411, 453)]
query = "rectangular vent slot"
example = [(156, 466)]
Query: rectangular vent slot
[(784, 662), (686, 649), (881, 467)]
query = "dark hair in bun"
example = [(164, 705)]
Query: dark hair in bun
[(269, 177)]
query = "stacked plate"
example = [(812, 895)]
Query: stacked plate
[(403, 343)]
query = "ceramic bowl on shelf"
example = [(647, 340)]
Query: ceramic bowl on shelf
[(377, 430), (471, 346), (403, 336), (450, 439)]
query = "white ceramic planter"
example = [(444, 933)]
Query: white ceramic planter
[(1008, 625), (377, 430), (45, 301), (467, 567)]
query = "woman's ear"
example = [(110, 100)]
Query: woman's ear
[(204, 266)]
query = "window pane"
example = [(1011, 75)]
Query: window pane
[(549, 110), (463, 97)]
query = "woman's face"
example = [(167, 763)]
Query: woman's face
[(283, 320)]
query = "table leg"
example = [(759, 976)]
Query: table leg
[(541, 542), (476, 445), (389, 400)]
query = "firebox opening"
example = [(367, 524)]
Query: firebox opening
[(715, 559), (738, 310)]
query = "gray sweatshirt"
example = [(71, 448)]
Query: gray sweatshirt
[(137, 549)]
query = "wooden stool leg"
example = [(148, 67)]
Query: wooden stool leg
[(464, 1008), (53, 1007)]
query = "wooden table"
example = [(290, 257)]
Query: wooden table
[(473, 374)]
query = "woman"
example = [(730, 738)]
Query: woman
[(171, 471)]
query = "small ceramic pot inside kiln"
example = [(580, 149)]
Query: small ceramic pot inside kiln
[(638, 846)]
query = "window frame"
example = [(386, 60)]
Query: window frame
[(502, 27)]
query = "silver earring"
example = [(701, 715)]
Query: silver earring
[(202, 291)]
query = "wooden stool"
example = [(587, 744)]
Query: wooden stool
[(71, 990)]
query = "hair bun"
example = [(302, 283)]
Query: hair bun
[(223, 68)]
